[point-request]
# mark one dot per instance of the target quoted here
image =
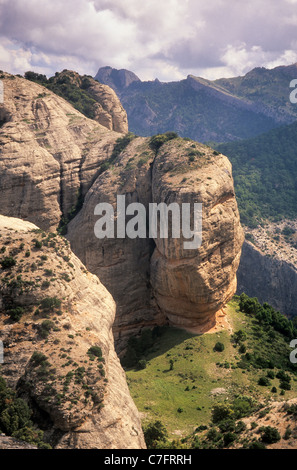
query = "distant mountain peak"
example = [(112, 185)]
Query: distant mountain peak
[(116, 79)]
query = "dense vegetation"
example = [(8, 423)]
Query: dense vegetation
[(15, 418), (74, 91), (155, 107), (265, 174), (173, 376)]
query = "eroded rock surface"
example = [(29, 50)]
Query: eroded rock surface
[(55, 163), (157, 280), (50, 153), (56, 325)]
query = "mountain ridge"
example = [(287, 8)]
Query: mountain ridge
[(185, 106)]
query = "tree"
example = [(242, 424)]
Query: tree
[(154, 433), (219, 347), (221, 412), (269, 435)]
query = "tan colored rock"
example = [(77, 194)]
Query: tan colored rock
[(50, 153), (86, 400), (51, 159), (108, 110), (191, 285), (158, 281)]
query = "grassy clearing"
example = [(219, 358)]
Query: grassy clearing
[(184, 377)]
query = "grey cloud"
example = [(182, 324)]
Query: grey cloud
[(164, 39)]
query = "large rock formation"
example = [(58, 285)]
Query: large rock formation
[(55, 163), (158, 280), (50, 153), (118, 80), (106, 109), (79, 396)]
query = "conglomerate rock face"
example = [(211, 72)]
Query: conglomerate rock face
[(107, 108), (56, 326), (50, 153), (56, 163), (158, 280)]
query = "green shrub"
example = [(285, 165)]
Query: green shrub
[(142, 364), (213, 435), (219, 347), (283, 376), (15, 418), (50, 303), (242, 349), (46, 327), (229, 438), (38, 358), (257, 445), (287, 434), (16, 313), (158, 140), (221, 412), (269, 435), (95, 351), (154, 433), (227, 425), (284, 385), (239, 336), (37, 244), (8, 262), (264, 381)]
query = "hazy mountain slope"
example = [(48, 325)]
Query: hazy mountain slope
[(221, 110), (265, 174), (267, 88)]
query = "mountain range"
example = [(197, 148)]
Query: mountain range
[(222, 110)]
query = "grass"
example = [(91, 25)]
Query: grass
[(182, 396)]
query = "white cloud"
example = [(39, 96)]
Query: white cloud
[(166, 39)]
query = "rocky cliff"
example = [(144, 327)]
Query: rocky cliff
[(268, 278), (56, 163), (50, 154), (118, 80), (56, 325), (154, 279), (104, 105)]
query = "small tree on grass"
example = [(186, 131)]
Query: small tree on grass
[(154, 433), (219, 347), (269, 435)]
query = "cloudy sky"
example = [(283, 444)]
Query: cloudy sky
[(165, 39)]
